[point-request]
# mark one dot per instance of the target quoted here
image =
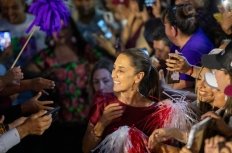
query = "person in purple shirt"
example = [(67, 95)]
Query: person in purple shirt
[(181, 27)]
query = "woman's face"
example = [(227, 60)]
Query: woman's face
[(123, 74), (102, 81), (204, 92), (223, 79), (13, 11), (219, 98), (207, 94)]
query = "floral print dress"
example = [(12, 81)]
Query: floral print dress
[(71, 83)]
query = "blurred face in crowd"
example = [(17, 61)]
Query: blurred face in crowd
[(13, 10), (161, 49), (102, 81), (64, 36), (223, 79), (85, 7)]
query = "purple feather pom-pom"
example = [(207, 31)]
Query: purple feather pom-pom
[(50, 15)]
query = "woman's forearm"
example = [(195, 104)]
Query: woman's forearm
[(12, 89), (92, 137)]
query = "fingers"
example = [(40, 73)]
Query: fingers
[(46, 102), (115, 114), (210, 114), (152, 142), (47, 108), (185, 150), (38, 95), (112, 106), (39, 114), (2, 118)]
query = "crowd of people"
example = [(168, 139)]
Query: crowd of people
[(137, 74)]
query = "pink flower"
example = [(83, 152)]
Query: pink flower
[(61, 74), (72, 88), (75, 103), (70, 75), (80, 83)]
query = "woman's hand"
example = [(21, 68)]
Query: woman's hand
[(157, 136), (163, 134), (178, 63), (185, 150), (33, 105), (221, 125), (14, 76), (111, 112)]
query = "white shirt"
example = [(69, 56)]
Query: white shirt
[(8, 140)]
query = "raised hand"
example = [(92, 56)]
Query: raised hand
[(211, 145), (33, 105), (36, 124), (39, 84), (177, 63), (220, 123), (111, 112)]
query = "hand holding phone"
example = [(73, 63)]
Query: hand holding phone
[(54, 112)]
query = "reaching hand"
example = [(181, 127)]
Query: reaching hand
[(33, 105), (177, 63), (185, 150), (211, 145), (111, 112), (14, 76), (36, 124), (161, 135), (221, 125), (38, 84)]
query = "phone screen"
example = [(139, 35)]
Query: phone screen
[(102, 25), (149, 3), (5, 40)]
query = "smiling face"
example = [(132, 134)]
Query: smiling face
[(13, 10), (102, 81), (124, 75), (207, 94), (204, 92)]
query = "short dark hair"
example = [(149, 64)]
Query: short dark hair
[(182, 16), (154, 30)]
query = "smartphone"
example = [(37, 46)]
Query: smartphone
[(5, 40), (54, 112), (147, 3), (104, 29)]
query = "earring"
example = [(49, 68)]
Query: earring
[(133, 86)]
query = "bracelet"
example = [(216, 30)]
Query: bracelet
[(3, 128), (191, 71)]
